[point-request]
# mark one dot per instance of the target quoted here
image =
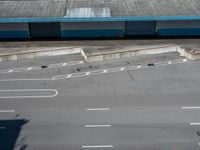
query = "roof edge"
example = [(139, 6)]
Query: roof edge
[(125, 18)]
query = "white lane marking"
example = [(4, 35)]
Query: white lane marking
[(11, 70), (69, 75), (44, 79), (38, 67), (199, 144), (105, 71), (87, 73), (1, 128), (7, 111), (184, 60), (169, 62), (64, 64), (195, 124), (191, 107), (29, 90), (122, 69), (98, 109), (29, 68), (96, 72), (97, 126), (97, 146)]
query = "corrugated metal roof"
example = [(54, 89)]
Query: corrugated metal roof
[(86, 12), (96, 8)]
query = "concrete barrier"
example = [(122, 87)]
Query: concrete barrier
[(108, 55), (39, 53)]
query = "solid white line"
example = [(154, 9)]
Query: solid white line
[(96, 126), (2, 128), (191, 107), (194, 124), (28, 90), (98, 146), (7, 111), (97, 109)]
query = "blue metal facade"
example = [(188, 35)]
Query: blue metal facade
[(106, 30)]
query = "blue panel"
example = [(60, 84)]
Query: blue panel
[(92, 33), (129, 18), (179, 32), (14, 34), (140, 32)]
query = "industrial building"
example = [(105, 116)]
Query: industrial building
[(29, 19)]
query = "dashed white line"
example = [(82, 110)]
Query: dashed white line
[(105, 71), (97, 146), (87, 73), (69, 75), (29, 68), (194, 124), (7, 111), (139, 67), (184, 60), (191, 107), (169, 62), (122, 69), (11, 70), (64, 64), (1, 128), (98, 109), (97, 126)]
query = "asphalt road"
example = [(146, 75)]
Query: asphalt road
[(154, 108)]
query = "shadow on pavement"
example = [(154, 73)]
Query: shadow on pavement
[(9, 132)]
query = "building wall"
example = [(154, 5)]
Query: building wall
[(178, 28), (44, 30), (99, 29), (139, 28), (92, 29), (14, 30)]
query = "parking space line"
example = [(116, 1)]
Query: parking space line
[(97, 126), (97, 146), (7, 111), (190, 107), (98, 109)]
